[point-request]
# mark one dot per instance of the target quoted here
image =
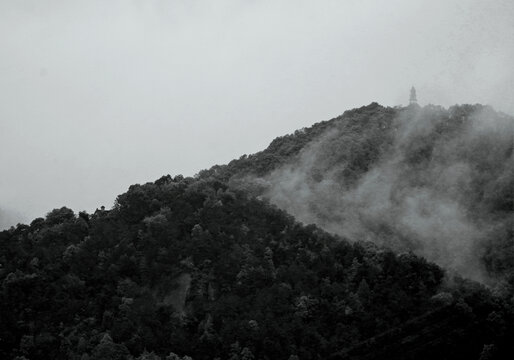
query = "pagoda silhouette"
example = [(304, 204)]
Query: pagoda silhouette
[(413, 99)]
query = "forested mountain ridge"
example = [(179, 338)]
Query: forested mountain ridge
[(207, 268), (284, 148), (436, 181)]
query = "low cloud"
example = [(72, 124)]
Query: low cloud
[(427, 180)]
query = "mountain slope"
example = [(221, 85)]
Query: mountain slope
[(201, 267), (435, 181)]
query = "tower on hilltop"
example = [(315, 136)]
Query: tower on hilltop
[(412, 98)]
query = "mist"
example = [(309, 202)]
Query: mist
[(429, 180), (98, 96), (9, 218)]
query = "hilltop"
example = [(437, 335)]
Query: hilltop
[(223, 265), (439, 182)]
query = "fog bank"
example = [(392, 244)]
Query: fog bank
[(429, 180)]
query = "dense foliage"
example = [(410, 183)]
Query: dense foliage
[(439, 182), (189, 267), (368, 121), (206, 268)]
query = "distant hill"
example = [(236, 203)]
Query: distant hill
[(216, 266)]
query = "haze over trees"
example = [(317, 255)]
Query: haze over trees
[(220, 266), (439, 182)]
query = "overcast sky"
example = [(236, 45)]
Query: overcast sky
[(98, 95)]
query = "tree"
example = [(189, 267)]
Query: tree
[(57, 216), (246, 354), (488, 352), (364, 292), (148, 356), (108, 350)]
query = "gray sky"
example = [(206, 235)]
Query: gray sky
[(99, 95)]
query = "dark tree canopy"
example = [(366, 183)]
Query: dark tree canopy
[(194, 268)]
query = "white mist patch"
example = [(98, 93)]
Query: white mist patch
[(421, 181), (444, 233)]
